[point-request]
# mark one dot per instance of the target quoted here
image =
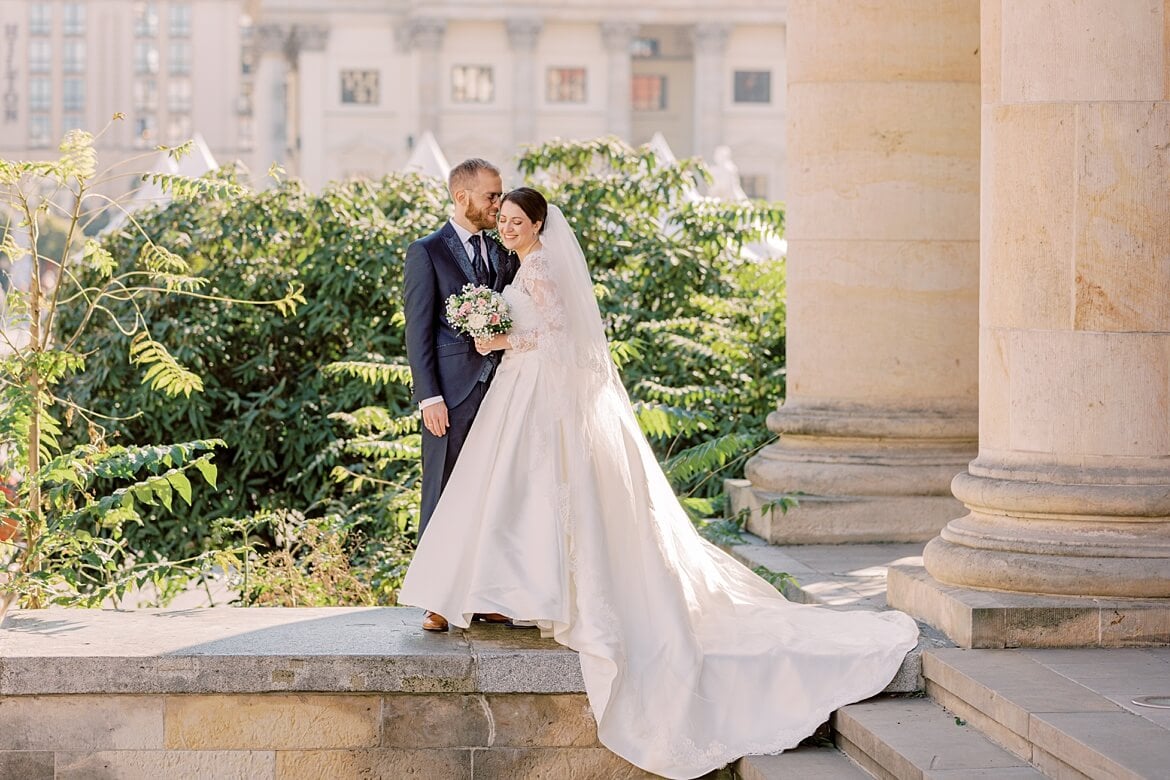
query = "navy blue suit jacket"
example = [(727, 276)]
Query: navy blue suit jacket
[(443, 361)]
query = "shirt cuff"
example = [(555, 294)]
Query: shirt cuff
[(434, 399)]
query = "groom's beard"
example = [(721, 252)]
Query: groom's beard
[(481, 218)]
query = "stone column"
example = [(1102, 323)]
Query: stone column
[(883, 228), (310, 41), (522, 36), (1070, 493), (711, 77), (425, 36), (268, 99), (618, 37)]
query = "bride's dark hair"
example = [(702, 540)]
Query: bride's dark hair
[(531, 202)]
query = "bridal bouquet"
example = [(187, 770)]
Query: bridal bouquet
[(479, 312)]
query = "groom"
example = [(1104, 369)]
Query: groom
[(450, 377)]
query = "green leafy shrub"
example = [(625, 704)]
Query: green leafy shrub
[(263, 388), (66, 510)]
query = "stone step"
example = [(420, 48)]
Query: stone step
[(1032, 703), (915, 739), (803, 763)]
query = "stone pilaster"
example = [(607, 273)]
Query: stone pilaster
[(1070, 493), (269, 98), (710, 41), (618, 38), (883, 228), (310, 42), (522, 37), (425, 37)]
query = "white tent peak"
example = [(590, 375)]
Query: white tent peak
[(661, 148), (427, 158)]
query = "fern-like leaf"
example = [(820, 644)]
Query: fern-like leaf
[(99, 258), (656, 419), (708, 456), (370, 372), (623, 352), (183, 188), (159, 258), (164, 372), (405, 448)]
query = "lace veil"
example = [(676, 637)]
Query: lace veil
[(584, 345)]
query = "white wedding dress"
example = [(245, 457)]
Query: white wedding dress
[(557, 512)]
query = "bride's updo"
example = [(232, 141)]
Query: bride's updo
[(531, 202)]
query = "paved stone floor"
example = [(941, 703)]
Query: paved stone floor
[(843, 575), (1119, 675)]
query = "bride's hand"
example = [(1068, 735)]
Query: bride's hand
[(484, 346)]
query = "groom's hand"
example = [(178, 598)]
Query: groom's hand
[(435, 418)]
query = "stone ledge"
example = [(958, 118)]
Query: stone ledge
[(282, 650), (344, 650), (994, 619)]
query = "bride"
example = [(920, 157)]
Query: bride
[(558, 514)]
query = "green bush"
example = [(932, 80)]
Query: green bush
[(65, 510), (263, 388)]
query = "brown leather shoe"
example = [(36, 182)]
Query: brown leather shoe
[(490, 617), (433, 621)]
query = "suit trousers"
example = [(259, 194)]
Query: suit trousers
[(439, 453)]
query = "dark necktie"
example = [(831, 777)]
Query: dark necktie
[(483, 269)]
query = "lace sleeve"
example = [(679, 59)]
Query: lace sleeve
[(534, 280)]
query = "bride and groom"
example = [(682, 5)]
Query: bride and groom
[(552, 510)]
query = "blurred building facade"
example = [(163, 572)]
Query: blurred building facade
[(337, 89), (173, 68)]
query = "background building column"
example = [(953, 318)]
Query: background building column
[(269, 98), (426, 37), (711, 79), (882, 229), (310, 103), (522, 36), (618, 37), (1070, 493)]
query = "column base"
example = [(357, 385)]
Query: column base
[(994, 619), (859, 474), (841, 519)]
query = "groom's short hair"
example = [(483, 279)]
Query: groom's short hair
[(464, 174)]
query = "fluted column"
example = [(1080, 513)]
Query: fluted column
[(425, 36), (310, 41), (1070, 493), (883, 228), (710, 41), (522, 36), (269, 98), (618, 37)]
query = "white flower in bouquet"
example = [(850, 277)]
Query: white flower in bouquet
[(479, 312)]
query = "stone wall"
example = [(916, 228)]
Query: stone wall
[(303, 735)]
